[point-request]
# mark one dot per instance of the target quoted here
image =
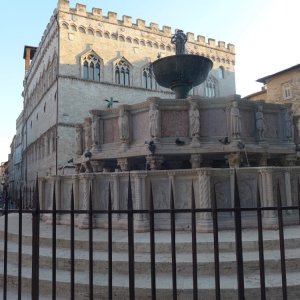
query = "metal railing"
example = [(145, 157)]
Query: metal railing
[(30, 204)]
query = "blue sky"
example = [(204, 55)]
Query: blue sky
[(264, 32)]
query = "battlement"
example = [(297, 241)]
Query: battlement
[(112, 17)]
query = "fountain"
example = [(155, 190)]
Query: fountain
[(181, 72)]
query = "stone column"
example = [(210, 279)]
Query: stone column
[(116, 194), (87, 134), (196, 160), (45, 145), (75, 182), (50, 142), (78, 129), (42, 193), (123, 163), (204, 223), (269, 216), (83, 219), (95, 133), (288, 189), (154, 161), (141, 222)]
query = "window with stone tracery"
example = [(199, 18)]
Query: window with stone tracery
[(211, 87), (91, 67), (149, 81), (122, 72)]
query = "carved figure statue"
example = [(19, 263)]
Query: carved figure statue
[(179, 39), (123, 125), (194, 120), (78, 129), (95, 131), (235, 120), (154, 120), (260, 123)]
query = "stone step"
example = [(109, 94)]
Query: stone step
[(206, 285), (142, 240), (205, 261)]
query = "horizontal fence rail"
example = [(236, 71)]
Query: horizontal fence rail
[(28, 203)]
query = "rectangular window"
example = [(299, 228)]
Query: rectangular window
[(286, 91)]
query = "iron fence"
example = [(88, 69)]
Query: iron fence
[(28, 202)]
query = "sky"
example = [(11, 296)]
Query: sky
[(265, 34)]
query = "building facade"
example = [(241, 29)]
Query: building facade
[(86, 60)]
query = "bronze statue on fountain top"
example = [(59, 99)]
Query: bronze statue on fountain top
[(181, 72)]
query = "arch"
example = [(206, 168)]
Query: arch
[(65, 25), (162, 46), (98, 33), (155, 45), (142, 42), (122, 71), (90, 31), (113, 36), (221, 73), (149, 44), (92, 66), (148, 79), (81, 29), (211, 87), (168, 48), (121, 38), (73, 27), (129, 40), (106, 35)]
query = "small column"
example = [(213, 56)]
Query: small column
[(205, 220), (95, 133), (83, 220), (141, 222), (116, 194), (78, 129), (45, 146), (75, 182), (288, 189), (50, 142), (88, 134), (233, 159), (269, 216), (42, 193), (154, 161), (196, 160), (123, 164)]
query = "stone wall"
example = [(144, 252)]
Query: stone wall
[(207, 182)]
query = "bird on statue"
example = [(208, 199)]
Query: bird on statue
[(178, 142)]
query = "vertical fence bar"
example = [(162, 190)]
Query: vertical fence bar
[(260, 247), (216, 245), (20, 249), (238, 240), (152, 245), (173, 243), (54, 245), (91, 259), (130, 244), (35, 244), (5, 247), (109, 232), (72, 246), (281, 243), (299, 199), (194, 246)]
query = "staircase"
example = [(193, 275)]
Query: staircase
[(205, 258)]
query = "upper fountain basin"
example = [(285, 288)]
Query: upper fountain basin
[(181, 70)]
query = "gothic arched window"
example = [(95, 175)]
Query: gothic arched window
[(210, 88), (148, 78), (91, 67), (122, 72), (221, 73)]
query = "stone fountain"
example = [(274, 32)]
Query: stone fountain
[(181, 72)]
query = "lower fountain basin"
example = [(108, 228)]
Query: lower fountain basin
[(182, 72)]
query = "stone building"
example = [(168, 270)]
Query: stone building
[(85, 58), (282, 87)]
